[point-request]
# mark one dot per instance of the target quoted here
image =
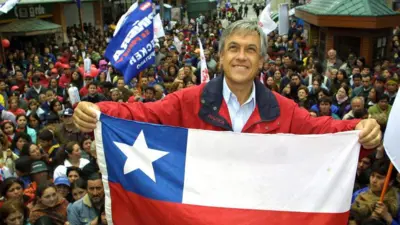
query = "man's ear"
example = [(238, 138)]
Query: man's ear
[(261, 62)]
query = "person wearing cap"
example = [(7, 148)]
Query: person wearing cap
[(85, 89), (39, 174), (67, 131), (159, 55), (234, 101), (62, 187), (65, 78), (36, 89)]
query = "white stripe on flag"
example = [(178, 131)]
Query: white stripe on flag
[(296, 173), (391, 141), (101, 160)]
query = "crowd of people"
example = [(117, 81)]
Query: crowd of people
[(48, 168)]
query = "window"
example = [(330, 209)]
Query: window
[(380, 48)]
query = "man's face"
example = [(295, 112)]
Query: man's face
[(331, 54), (186, 70), (287, 61), (67, 120), (295, 80), (324, 107), (376, 182), (357, 82), (3, 86), (36, 83), (50, 96), (149, 94), (241, 57), (379, 84), (88, 80), (364, 164), (392, 88), (19, 76), (92, 89), (366, 71), (95, 191), (383, 104), (120, 84), (316, 86), (356, 105), (366, 81), (144, 80), (355, 71)]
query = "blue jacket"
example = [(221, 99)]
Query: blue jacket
[(82, 212)]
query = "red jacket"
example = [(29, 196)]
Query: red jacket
[(203, 107)]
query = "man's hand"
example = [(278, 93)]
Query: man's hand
[(382, 211), (95, 221), (85, 117), (370, 135)]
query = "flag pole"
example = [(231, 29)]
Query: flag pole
[(80, 19), (386, 184)]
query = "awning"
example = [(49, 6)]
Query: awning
[(29, 27)]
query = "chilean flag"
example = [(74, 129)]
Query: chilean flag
[(156, 174)]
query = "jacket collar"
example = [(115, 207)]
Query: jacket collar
[(212, 97), (86, 201)]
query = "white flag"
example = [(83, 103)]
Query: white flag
[(158, 27), (391, 141), (266, 23), (203, 64), (7, 6), (108, 77), (283, 19)]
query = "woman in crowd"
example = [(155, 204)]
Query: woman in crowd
[(342, 101), (34, 107), (49, 203), (7, 157), (77, 80), (8, 129), (73, 174), (78, 189), (71, 156), (20, 139), (14, 212), (35, 122), (85, 146), (13, 189), (22, 126), (34, 152), (14, 103)]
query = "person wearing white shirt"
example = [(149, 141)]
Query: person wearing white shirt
[(72, 158)]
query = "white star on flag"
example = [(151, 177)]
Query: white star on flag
[(140, 156)]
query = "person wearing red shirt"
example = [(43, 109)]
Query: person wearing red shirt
[(209, 106)]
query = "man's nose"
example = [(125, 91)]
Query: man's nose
[(242, 54)]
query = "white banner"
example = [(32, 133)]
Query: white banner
[(284, 19)]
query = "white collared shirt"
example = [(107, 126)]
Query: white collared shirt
[(239, 114)]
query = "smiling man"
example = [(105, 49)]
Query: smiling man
[(235, 101)]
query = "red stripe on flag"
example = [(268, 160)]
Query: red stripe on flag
[(133, 209)]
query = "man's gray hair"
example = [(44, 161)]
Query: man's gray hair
[(246, 26)]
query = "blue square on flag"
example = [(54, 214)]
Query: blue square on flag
[(131, 50), (142, 157)]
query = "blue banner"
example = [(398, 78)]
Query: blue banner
[(132, 49)]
